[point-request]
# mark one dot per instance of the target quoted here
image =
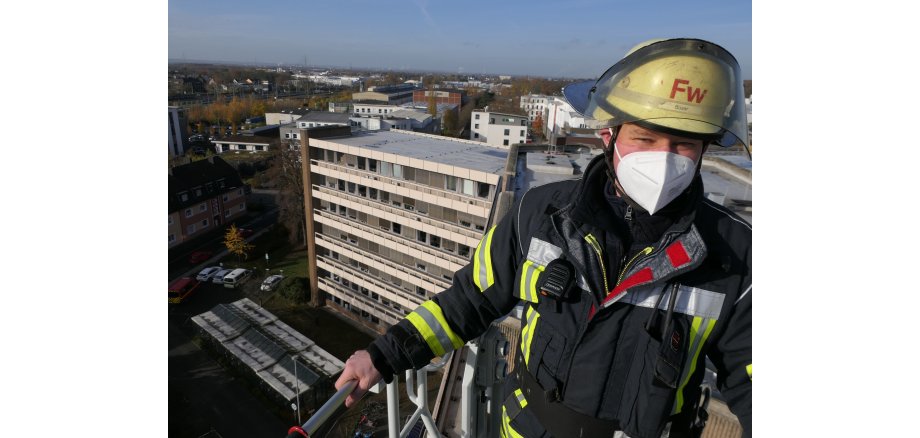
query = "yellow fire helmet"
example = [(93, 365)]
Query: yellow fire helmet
[(686, 87)]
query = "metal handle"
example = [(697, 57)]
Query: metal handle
[(327, 410)]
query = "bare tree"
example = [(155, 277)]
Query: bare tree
[(286, 174)]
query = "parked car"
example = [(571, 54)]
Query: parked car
[(245, 232), (199, 257), (207, 273), (271, 282), (236, 277), (180, 289), (218, 277)]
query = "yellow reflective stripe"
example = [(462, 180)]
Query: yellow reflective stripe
[(507, 430), (750, 376), (527, 334), (533, 281), (520, 398), (699, 339), (439, 315), (482, 262), (427, 333), (530, 272)]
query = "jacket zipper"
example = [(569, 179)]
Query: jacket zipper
[(600, 258), (646, 251)]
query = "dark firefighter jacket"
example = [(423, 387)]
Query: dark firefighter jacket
[(612, 350)]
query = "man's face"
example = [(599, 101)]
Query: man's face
[(634, 138)]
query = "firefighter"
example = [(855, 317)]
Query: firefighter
[(629, 277)]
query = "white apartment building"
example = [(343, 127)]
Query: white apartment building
[(534, 105), (396, 214), (559, 115), (498, 129)]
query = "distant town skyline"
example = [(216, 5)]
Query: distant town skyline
[(578, 39)]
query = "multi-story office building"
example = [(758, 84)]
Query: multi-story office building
[(498, 129), (178, 131), (452, 97), (395, 215)]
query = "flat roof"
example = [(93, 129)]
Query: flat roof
[(455, 152)]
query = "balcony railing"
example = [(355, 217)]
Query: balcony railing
[(358, 252), (402, 183), (449, 226), (458, 261), (414, 299)]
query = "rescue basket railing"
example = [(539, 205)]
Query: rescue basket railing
[(415, 380)]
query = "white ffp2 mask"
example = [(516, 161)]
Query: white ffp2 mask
[(653, 179)]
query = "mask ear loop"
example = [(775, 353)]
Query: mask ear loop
[(611, 172)]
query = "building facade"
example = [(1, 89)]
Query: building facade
[(396, 214), (203, 195), (534, 105), (498, 129), (441, 96), (178, 131)]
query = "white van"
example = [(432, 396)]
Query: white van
[(236, 276)]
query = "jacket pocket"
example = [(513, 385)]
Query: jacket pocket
[(542, 348), (654, 374)]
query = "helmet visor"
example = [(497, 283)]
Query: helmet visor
[(682, 86)]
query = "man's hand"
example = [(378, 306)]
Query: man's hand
[(358, 367)]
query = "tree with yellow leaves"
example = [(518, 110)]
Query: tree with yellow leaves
[(236, 244)]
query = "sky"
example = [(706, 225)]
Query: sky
[(577, 39)]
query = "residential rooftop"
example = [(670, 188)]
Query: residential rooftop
[(465, 154)]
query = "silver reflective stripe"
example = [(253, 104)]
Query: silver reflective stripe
[(542, 252), (690, 301), (520, 398), (435, 327)]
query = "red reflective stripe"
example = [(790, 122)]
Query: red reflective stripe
[(677, 254), (298, 429), (591, 311)]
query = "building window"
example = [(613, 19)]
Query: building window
[(242, 207), (475, 135), (204, 223), (477, 116), (483, 190), (505, 142), (420, 291), (362, 163), (183, 196), (492, 120), (463, 250), (371, 165), (468, 187), (191, 229), (421, 236), (477, 126), (170, 220), (397, 171), (397, 228), (188, 212), (227, 213), (450, 183), (226, 197), (522, 133), (421, 266), (507, 132), (435, 241), (203, 207), (172, 238)]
